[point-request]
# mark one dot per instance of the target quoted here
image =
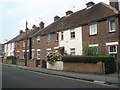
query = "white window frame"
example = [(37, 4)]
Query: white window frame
[(112, 52), (48, 50), (71, 33), (23, 43), (33, 41), (33, 53), (93, 29), (38, 54), (38, 39), (48, 38), (72, 51), (110, 30)]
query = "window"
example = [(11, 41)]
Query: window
[(48, 50), (23, 43), (33, 41), (72, 51), (93, 29), (18, 44), (38, 54), (38, 39), (33, 54), (27, 42), (113, 51), (57, 36), (48, 37), (93, 48), (72, 33), (62, 35), (112, 27)]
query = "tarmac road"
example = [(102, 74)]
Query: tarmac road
[(17, 78)]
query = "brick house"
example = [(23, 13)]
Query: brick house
[(97, 25)]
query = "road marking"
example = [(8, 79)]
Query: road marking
[(61, 76)]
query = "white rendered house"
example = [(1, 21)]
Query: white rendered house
[(71, 40)]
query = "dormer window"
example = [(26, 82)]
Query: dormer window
[(93, 29), (112, 27)]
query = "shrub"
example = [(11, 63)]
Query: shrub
[(90, 51), (52, 57), (11, 57), (110, 64)]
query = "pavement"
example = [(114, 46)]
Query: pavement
[(104, 79)]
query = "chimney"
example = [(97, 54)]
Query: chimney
[(114, 3), (34, 26), (69, 12), (41, 25), (90, 4), (56, 18), (21, 31)]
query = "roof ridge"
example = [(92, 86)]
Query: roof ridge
[(110, 7)]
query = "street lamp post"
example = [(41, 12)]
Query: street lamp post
[(26, 44)]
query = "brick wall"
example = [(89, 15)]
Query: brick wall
[(103, 36), (84, 67), (31, 63)]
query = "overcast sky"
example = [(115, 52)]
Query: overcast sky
[(14, 13)]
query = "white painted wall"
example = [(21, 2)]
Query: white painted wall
[(11, 49), (5, 50), (68, 43)]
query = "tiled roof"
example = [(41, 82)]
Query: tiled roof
[(75, 19), (78, 18)]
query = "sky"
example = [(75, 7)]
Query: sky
[(14, 13)]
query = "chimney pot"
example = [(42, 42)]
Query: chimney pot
[(34, 26), (41, 25), (56, 18), (69, 12), (90, 4), (21, 31)]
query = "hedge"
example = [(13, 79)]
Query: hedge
[(110, 63), (11, 57)]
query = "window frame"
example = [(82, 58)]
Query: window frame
[(91, 30), (110, 50), (38, 39), (38, 54), (72, 33), (62, 35), (48, 38), (110, 26), (72, 51)]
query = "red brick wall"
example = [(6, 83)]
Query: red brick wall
[(31, 63), (84, 67), (103, 36)]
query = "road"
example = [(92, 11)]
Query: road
[(17, 78)]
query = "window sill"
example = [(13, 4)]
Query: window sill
[(72, 38), (93, 35), (56, 40), (112, 31)]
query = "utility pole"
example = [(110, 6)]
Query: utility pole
[(26, 44)]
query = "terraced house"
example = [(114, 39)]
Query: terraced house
[(97, 25)]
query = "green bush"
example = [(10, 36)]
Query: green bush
[(11, 57), (110, 64)]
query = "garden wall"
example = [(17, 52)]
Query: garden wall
[(84, 67)]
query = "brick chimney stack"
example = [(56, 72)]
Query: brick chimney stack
[(114, 3), (69, 12), (90, 4), (41, 25), (56, 18)]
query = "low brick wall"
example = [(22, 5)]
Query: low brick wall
[(84, 67), (20, 62), (7, 61), (31, 63)]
